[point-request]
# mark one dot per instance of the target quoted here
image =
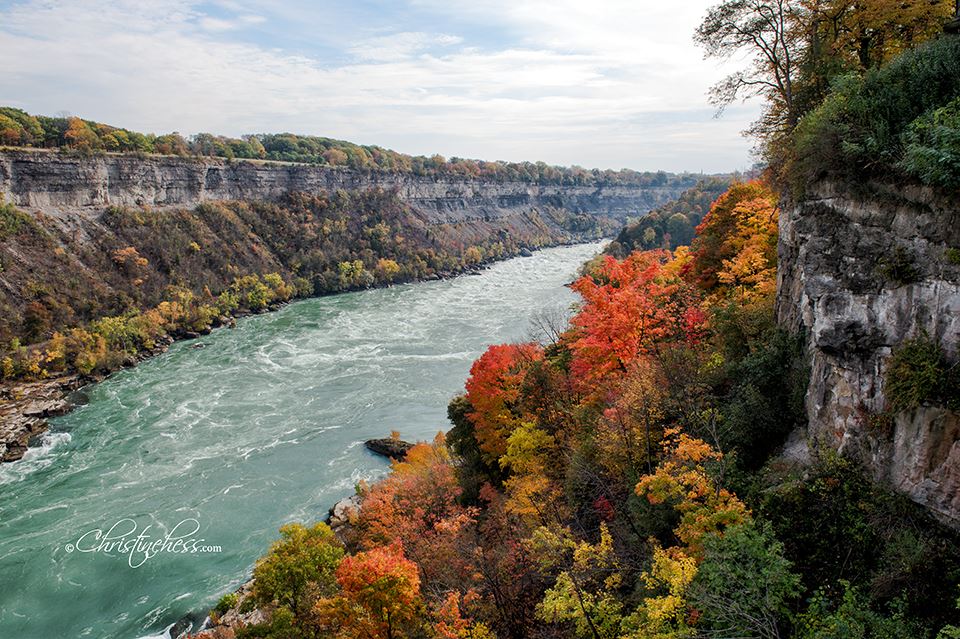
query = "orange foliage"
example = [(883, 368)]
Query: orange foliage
[(736, 244), (379, 595), (417, 505), (629, 306), (493, 390)]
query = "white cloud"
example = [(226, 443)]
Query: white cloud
[(567, 83), (208, 23), (400, 45)]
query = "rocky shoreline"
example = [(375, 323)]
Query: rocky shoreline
[(25, 407)]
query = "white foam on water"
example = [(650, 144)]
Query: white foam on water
[(163, 635), (36, 458)]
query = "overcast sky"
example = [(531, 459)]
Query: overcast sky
[(601, 83)]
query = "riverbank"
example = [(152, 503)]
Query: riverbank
[(27, 405)]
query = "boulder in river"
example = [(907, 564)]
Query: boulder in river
[(389, 447), (344, 512)]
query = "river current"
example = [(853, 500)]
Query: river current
[(221, 445)]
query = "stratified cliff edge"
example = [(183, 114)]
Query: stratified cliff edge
[(839, 254), (52, 182)]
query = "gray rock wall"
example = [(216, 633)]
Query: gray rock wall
[(832, 284), (53, 182)]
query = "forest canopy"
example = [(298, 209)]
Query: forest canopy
[(20, 129)]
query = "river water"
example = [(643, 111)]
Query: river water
[(262, 426)]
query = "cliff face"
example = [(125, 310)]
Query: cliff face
[(835, 257), (54, 182)]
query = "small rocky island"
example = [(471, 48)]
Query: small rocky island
[(392, 447)]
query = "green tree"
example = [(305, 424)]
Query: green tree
[(299, 568), (852, 618), (744, 586)]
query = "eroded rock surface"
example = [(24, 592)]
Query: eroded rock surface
[(841, 258), (25, 408), (56, 182)]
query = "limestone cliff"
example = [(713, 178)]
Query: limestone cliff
[(55, 182), (835, 253)]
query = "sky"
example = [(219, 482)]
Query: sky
[(601, 83)]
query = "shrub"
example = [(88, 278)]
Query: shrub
[(12, 220), (861, 128), (852, 618), (226, 602), (932, 146), (884, 540), (899, 267), (918, 373), (251, 292)]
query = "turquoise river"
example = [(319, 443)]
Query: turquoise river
[(221, 445)]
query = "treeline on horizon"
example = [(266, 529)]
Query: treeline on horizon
[(21, 129)]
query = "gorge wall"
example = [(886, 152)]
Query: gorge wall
[(55, 182), (835, 255)]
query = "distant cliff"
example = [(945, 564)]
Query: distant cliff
[(54, 182), (860, 274)]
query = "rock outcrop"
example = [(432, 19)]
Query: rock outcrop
[(25, 408), (389, 447), (859, 274), (56, 182)]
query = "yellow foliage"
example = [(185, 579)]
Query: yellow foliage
[(683, 479), (665, 615), (529, 489)]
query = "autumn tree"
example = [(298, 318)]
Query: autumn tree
[(764, 30), (171, 144), (863, 35), (510, 580), (493, 391), (585, 592), (736, 244), (80, 136), (797, 47), (418, 505), (685, 480), (629, 432), (529, 489), (299, 568), (335, 157), (379, 596), (629, 306), (664, 612)]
